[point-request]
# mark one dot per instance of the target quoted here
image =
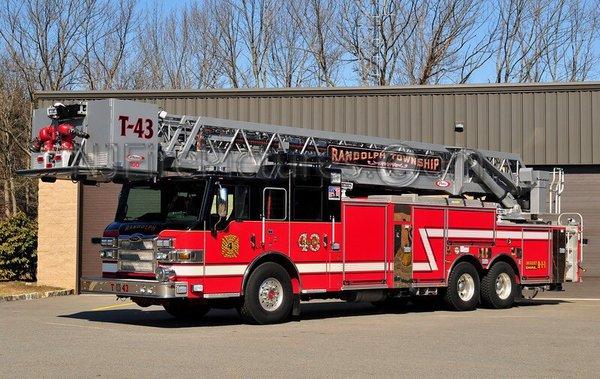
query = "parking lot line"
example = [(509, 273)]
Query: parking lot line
[(113, 306), (568, 298)]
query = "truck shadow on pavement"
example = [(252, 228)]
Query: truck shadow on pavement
[(158, 318)]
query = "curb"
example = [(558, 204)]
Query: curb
[(36, 295)]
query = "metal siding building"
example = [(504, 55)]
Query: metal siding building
[(547, 124)]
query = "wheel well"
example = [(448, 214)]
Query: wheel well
[(281, 260), (472, 260), (511, 262)]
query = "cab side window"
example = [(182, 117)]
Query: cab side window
[(241, 206), (275, 203), (307, 195), (238, 206), (308, 204)]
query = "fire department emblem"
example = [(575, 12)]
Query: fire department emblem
[(312, 242), (406, 259), (230, 246)]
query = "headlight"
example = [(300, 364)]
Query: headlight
[(108, 253), (164, 242), (108, 242), (162, 256), (179, 256)]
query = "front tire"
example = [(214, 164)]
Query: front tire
[(462, 293), (498, 286), (268, 297), (185, 309)]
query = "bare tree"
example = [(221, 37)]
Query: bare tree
[(108, 32), (319, 32), (18, 193), (571, 55), (205, 69), (168, 51), (289, 56), (531, 34), (228, 34), (173, 50), (444, 30), (374, 32), (478, 45), (42, 38), (257, 20)]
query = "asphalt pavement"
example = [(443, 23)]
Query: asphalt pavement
[(97, 336)]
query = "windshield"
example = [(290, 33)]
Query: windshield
[(176, 203)]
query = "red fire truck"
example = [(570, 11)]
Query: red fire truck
[(221, 213)]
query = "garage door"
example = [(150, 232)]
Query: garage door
[(582, 195)]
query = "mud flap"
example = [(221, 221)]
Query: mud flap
[(296, 306)]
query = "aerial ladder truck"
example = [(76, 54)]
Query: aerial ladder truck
[(259, 217)]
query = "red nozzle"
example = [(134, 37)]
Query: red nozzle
[(66, 129), (48, 145), (67, 144), (48, 133)]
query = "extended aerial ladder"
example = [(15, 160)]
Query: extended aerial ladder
[(116, 140)]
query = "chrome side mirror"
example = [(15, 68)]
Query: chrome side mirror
[(222, 203)]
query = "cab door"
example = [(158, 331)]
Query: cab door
[(310, 237), (275, 220)]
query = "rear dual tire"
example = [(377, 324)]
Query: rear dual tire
[(498, 286), (462, 293)]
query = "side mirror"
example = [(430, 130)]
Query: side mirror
[(222, 208), (222, 203)]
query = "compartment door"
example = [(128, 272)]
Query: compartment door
[(364, 256), (536, 255), (428, 244)]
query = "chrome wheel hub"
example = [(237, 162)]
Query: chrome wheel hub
[(466, 287), (270, 294), (503, 286)]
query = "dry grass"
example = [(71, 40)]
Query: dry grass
[(19, 288)]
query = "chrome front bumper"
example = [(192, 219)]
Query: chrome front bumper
[(135, 288)]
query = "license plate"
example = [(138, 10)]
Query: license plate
[(119, 287)]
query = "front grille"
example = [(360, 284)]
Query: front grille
[(136, 266), (136, 255), (142, 255), (137, 244)]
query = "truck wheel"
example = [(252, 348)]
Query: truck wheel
[(268, 295), (185, 309), (498, 287), (462, 293)]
